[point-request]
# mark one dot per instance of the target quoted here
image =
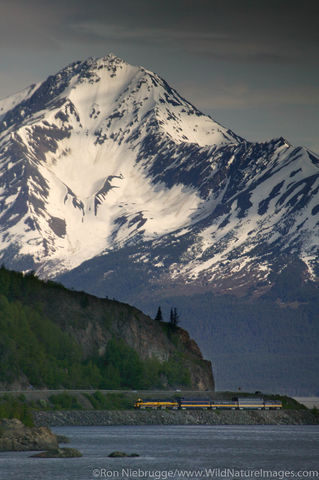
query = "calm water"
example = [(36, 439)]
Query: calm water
[(174, 452)]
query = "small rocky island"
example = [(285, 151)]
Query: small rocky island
[(117, 454), (59, 453), (16, 437)]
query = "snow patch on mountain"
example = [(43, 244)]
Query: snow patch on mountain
[(105, 155), (10, 102)]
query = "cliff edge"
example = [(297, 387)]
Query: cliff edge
[(75, 340)]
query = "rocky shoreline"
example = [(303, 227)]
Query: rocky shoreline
[(167, 417), (15, 436)]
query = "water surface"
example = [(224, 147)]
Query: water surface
[(174, 452)]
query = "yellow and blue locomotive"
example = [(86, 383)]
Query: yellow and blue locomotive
[(155, 404)]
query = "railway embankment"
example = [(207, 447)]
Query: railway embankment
[(167, 417)]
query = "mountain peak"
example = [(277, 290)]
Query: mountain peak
[(125, 91), (109, 62), (105, 154), (109, 176)]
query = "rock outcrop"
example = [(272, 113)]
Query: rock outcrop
[(15, 436), (59, 453), (149, 338), (117, 454)]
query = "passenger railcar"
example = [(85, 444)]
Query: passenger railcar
[(237, 403), (193, 404), (224, 405)]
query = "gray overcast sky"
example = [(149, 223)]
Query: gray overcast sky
[(251, 64)]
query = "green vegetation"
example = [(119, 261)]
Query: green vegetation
[(174, 319), (16, 407), (121, 367), (33, 346), (37, 341), (288, 403), (110, 401), (159, 316), (64, 401)]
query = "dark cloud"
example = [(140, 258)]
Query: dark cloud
[(239, 56), (258, 31)]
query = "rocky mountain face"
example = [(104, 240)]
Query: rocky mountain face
[(113, 183), (56, 338)]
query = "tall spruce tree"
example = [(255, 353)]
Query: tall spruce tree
[(159, 316), (174, 317)]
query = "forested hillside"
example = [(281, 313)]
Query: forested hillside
[(54, 337)]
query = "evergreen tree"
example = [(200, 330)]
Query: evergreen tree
[(159, 316), (174, 317)]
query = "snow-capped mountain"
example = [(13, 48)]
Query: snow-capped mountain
[(113, 183), (104, 155), (77, 172)]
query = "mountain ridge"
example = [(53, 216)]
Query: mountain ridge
[(70, 184), (39, 141), (111, 182)]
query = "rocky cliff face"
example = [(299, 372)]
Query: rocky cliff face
[(102, 319), (58, 338)]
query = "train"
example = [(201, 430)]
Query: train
[(236, 403)]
